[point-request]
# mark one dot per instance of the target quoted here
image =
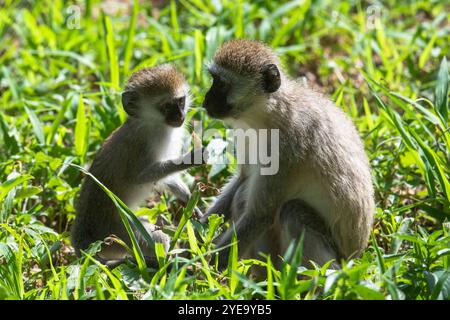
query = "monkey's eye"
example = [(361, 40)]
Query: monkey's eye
[(220, 84), (180, 101)]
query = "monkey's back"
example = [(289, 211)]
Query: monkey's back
[(115, 165), (333, 173), (97, 215)]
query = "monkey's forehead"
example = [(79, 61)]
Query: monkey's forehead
[(245, 56), (156, 79)]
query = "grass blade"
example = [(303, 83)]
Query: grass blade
[(441, 93), (111, 50), (38, 128), (130, 38), (81, 130)]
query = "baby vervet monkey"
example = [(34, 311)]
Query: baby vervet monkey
[(142, 156), (323, 187)]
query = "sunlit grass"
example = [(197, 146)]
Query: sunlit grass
[(60, 81)]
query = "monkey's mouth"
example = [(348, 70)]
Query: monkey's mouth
[(175, 121), (218, 113)]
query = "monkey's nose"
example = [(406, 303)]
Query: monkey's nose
[(175, 120)]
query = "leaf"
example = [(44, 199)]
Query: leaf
[(198, 253), (297, 16), (11, 143), (37, 126), (11, 83), (58, 119), (192, 239), (151, 214), (238, 19), (130, 37), (331, 281), (160, 253), (270, 295), (370, 124), (434, 161), (198, 47), (397, 242), (187, 213), (28, 192), (368, 293), (111, 50), (426, 52), (382, 266), (441, 92), (174, 19), (81, 130), (443, 284), (232, 264), (214, 221), (11, 183)]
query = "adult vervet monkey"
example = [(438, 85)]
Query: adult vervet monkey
[(324, 185)]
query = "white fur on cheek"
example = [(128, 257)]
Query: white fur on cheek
[(148, 109)]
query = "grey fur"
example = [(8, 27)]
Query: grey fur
[(322, 165), (140, 157)]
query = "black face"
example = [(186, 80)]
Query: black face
[(215, 102), (173, 112), (271, 78)]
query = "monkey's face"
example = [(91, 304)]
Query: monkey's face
[(164, 108), (173, 111), (169, 109), (216, 100), (231, 94)]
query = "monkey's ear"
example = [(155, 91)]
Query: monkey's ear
[(271, 78), (129, 101)]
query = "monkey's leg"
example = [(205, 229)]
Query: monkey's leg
[(177, 187), (267, 244), (114, 254), (112, 251), (257, 217), (156, 234), (223, 203), (297, 218), (239, 201)]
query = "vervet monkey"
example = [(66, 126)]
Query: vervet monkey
[(142, 156), (323, 187)]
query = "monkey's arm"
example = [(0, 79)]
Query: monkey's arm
[(222, 205), (264, 199), (157, 171)]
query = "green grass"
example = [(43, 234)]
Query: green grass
[(60, 98)]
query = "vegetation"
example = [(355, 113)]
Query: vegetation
[(62, 66)]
